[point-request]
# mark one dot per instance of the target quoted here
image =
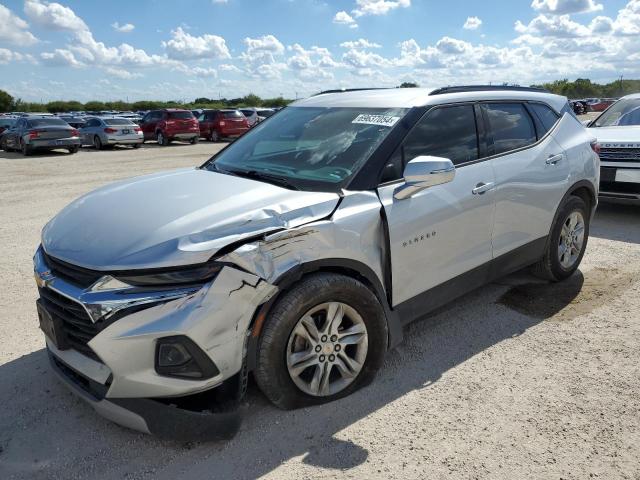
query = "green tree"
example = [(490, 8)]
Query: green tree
[(94, 106), (6, 101), (408, 85), (64, 106)]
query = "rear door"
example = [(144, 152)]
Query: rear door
[(149, 123), (443, 231), (531, 172)]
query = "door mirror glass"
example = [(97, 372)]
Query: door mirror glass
[(423, 172)]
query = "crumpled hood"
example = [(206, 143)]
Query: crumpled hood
[(174, 218), (630, 134)]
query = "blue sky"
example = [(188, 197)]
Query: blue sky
[(144, 49)]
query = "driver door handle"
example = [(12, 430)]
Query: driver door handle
[(553, 159), (482, 187)]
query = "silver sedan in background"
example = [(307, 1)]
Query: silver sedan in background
[(104, 132)]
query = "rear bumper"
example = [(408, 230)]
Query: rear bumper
[(59, 143), (184, 135), (125, 140), (152, 416)]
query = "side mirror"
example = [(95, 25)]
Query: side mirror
[(424, 172)]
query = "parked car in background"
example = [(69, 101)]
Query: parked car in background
[(264, 113), (251, 115), (41, 133), (579, 106), (170, 124), (618, 132), (134, 117), (104, 132), (225, 123), (297, 253), (6, 123), (74, 121), (599, 104)]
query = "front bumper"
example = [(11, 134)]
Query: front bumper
[(620, 183), (151, 416)]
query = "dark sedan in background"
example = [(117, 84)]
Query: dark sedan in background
[(40, 133)]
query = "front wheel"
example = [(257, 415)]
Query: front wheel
[(567, 242), (97, 143), (323, 340)]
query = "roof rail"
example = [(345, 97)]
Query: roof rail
[(480, 88), (342, 90)]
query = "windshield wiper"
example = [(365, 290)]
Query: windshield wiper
[(266, 177)]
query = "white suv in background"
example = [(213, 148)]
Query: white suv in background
[(298, 252), (618, 133)]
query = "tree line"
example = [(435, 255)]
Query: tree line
[(580, 88), (10, 104)]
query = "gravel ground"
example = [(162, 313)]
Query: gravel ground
[(519, 379)]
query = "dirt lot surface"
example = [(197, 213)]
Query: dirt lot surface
[(519, 379)]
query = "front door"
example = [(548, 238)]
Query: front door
[(444, 231)]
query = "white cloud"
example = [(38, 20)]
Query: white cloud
[(60, 57), (472, 23), (204, 72), (126, 28), (228, 67), (601, 25), (7, 56), (53, 16), (14, 29), (122, 74), (361, 43), (361, 59), (184, 46), (378, 7), (219, 1), (563, 7), (343, 18), (452, 46), (552, 26)]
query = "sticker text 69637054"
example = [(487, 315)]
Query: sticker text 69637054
[(382, 120)]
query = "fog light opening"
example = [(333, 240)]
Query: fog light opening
[(180, 357)]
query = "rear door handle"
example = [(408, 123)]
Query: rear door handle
[(482, 187), (553, 159)]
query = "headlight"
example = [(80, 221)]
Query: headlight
[(170, 276)]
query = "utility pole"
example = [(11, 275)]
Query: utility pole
[(621, 87)]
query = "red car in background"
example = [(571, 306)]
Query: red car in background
[(599, 104), (170, 124), (217, 124)]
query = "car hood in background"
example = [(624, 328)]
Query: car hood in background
[(626, 134), (174, 218)]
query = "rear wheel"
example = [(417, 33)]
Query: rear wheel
[(97, 143), (74, 149), (213, 136), (26, 149), (323, 340), (136, 145), (194, 140), (567, 242)]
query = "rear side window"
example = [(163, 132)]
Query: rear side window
[(511, 126), (547, 117), (180, 115)]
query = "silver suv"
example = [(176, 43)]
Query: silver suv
[(299, 251)]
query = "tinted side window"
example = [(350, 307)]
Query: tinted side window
[(547, 117), (448, 132), (511, 126)]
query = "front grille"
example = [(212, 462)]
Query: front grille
[(620, 154), (77, 326), (79, 276)]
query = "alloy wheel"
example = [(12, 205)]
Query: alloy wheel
[(327, 349), (571, 239)]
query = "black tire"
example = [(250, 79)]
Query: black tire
[(213, 136), (74, 149), (194, 140), (162, 140), (136, 145), (271, 372), (26, 149), (97, 143), (549, 267)]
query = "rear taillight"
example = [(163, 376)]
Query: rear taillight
[(110, 130), (34, 134), (222, 123), (595, 146), (138, 129), (75, 133)]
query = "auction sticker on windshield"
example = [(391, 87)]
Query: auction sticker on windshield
[(384, 120)]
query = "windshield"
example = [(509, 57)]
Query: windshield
[(40, 122), (233, 114), (265, 113), (118, 121), (621, 113), (309, 147), (181, 115)]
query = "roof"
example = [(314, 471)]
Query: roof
[(418, 97), (632, 96)]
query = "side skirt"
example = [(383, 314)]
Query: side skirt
[(426, 302)]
